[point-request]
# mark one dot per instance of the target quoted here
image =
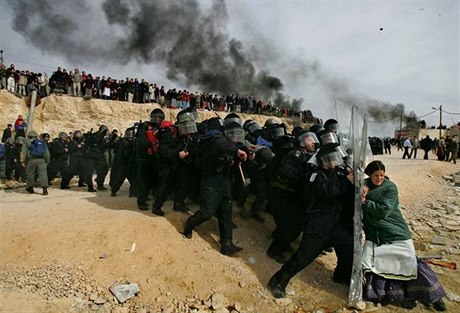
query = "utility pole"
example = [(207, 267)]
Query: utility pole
[(440, 119), (1, 56)]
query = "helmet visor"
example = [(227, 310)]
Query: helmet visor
[(188, 127), (331, 160), (235, 135), (328, 138), (277, 132)]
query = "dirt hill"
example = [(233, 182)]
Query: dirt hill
[(66, 113)]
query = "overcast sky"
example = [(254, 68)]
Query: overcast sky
[(393, 51)]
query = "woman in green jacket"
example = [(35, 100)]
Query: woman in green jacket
[(393, 274)]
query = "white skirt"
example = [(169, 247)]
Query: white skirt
[(396, 260)]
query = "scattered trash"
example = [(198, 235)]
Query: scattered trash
[(133, 247), (124, 291), (453, 297), (103, 256)]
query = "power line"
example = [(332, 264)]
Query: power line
[(397, 117)]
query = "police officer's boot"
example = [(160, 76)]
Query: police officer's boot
[(91, 187), (278, 283), (30, 189), (228, 248), (45, 191), (158, 211)]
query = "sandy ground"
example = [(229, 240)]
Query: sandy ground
[(107, 238)]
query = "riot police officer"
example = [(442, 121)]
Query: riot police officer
[(96, 144), (215, 156), (60, 160), (77, 150), (286, 200), (186, 176), (123, 165), (147, 157), (323, 203)]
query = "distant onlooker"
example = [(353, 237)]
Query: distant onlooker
[(415, 145), (20, 126), (76, 81), (426, 145), (407, 145), (2, 76), (453, 149)]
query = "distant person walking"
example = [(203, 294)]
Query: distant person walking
[(406, 145)]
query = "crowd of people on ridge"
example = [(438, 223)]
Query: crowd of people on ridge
[(76, 83)]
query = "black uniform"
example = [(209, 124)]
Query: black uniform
[(187, 177), (123, 166), (168, 157), (325, 191), (287, 202), (59, 163), (94, 160), (11, 158), (215, 156), (77, 150), (146, 163)]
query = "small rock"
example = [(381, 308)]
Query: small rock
[(218, 301), (100, 300), (429, 175), (438, 240), (285, 302), (242, 284), (79, 295), (251, 260), (221, 310), (94, 307), (103, 256), (93, 296)]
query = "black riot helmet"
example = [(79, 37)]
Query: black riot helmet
[(246, 124), (186, 123), (157, 116), (63, 136), (234, 132), (276, 131), (103, 129), (331, 125), (214, 123), (233, 117), (329, 157), (270, 122), (325, 136), (129, 133), (308, 140), (316, 128), (189, 110), (296, 131), (252, 128), (77, 134)]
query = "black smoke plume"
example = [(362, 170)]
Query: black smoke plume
[(179, 34)]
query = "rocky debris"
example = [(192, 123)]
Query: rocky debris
[(57, 281), (11, 184)]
